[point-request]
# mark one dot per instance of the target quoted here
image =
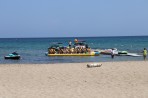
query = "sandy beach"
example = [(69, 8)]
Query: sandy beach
[(74, 80)]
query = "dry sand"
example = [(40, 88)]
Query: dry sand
[(74, 80)]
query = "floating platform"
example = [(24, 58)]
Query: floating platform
[(90, 54), (72, 55)]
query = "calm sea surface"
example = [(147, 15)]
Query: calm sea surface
[(32, 50)]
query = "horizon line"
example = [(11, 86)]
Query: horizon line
[(79, 36)]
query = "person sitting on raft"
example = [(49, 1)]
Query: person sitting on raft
[(70, 44)]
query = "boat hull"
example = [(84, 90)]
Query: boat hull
[(14, 58)]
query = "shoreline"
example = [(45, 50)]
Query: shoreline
[(74, 80), (77, 62)]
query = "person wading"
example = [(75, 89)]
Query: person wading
[(112, 53), (144, 53)]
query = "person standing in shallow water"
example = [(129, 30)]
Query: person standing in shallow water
[(144, 53), (112, 53)]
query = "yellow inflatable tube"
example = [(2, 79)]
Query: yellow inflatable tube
[(90, 54)]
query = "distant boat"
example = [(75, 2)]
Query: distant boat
[(133, 54), (14, 56), (119, 53), (109, 51)]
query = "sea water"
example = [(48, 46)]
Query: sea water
[(32, 50)]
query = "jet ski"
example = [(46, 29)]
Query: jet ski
[(13, 55)]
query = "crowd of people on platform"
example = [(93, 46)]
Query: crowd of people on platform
[(77, 48)]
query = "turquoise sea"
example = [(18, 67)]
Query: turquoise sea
[(32, 50)]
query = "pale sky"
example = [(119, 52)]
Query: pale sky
[(72, 18)]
